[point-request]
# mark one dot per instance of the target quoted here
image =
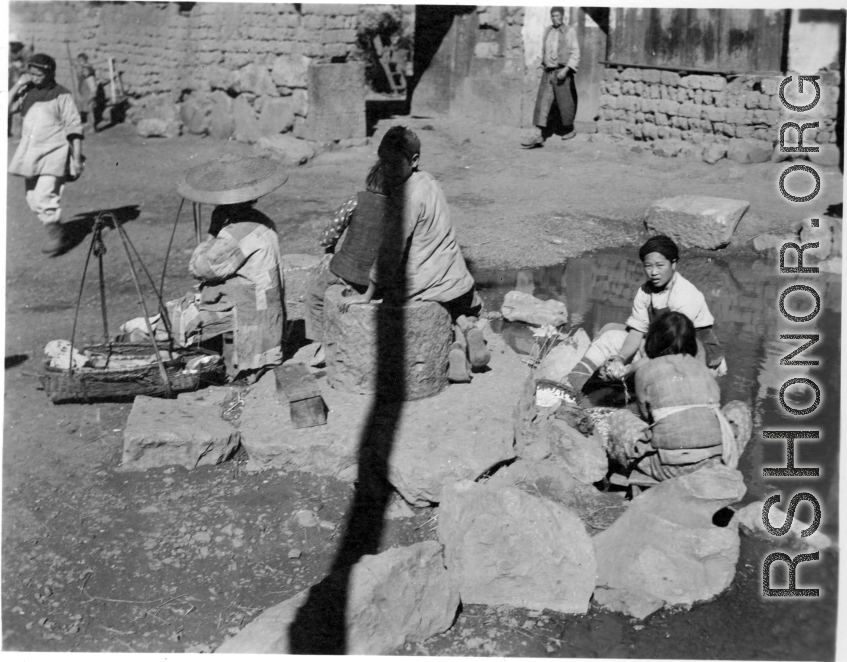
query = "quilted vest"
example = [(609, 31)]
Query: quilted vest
[(360, 247), (670, 381)]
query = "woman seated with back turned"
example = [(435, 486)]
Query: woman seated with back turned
[(683, 427)]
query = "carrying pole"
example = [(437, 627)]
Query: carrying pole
[(112, 80), (74, 81), (162, 371)]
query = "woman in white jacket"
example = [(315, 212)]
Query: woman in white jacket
[(50, 151)]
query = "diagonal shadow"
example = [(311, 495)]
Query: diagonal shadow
[(81, 225), (319, 627)]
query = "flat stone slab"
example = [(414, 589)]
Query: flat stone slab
[(185, 432), (696, 220), (401, 595), (457, 434)]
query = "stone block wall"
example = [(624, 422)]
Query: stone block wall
[(652, 105), (233, 70)]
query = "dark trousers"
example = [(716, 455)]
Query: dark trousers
[(563, 93), (468, 304)]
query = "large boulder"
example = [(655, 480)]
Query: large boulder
[(246, 122), (276, 116), (750, 520), (255, 79), (221, 78), (155, 106), (827, 155), (165, 432), (411, 339), (828, 232), (503, 546), (560, 360), (667, 148), (291, 71), (221, 120), (666, 549), (154, 127), (195, 112), (522, 307), (583, 456), (285, 149), (714, 152), (401, 595), (696, 220), (545, 436), (749, 151), (545, 478)]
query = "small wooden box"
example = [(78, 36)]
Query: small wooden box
[(296, 385)]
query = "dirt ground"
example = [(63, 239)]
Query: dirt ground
[(169, 560)]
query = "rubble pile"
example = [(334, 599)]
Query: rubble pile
[(521, 521)]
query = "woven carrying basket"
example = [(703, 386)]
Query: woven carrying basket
[(108, 383)]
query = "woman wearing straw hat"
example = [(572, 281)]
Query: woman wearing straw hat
[(238, 265)]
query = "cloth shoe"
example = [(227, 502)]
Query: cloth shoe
[(55, 244), (458, 370), (477, 351), (473, 339), (570, 134), (535, 139)]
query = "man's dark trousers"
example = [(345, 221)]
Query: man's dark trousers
[(562, 92)]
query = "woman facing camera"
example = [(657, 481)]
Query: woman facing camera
[(665, 290)]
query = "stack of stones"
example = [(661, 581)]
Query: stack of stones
[(708, 116), (231, 70)]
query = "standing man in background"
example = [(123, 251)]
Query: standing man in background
[(559, 62)]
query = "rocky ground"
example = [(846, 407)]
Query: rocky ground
[(170, 560)]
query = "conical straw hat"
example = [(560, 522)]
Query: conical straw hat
[(231, 179)]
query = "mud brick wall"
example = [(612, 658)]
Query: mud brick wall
[(650, 104), (231, 70)]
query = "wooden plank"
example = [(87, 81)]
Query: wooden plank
[(296, 382), (308, 413), (736, 40), (298, 388), (592, 40)]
